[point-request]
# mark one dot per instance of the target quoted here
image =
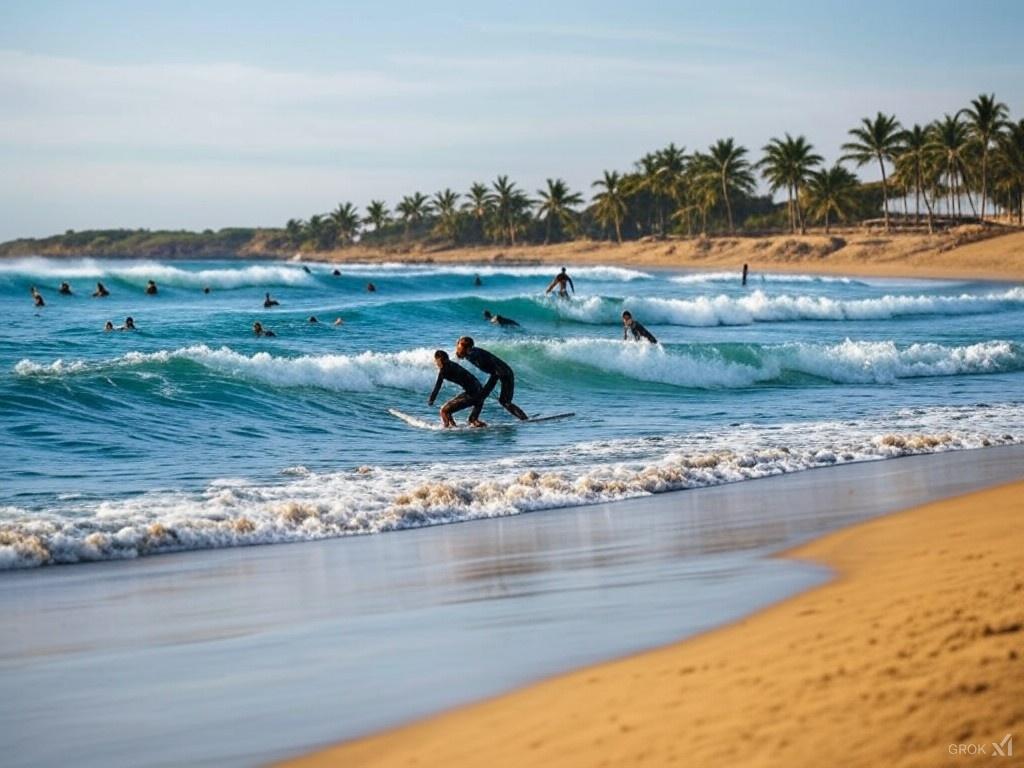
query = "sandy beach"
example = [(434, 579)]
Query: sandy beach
[(911, 656), (966, 252)]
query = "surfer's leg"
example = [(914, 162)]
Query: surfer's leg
[(508, 389), (458, 403)]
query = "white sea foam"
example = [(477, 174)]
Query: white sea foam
[(759, 307), (702, 367), (308, 505), (397, 269), (758, 277), (138, 273)]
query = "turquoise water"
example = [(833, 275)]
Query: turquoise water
[(191, 433)]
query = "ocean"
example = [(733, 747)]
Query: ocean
[(191, 433)]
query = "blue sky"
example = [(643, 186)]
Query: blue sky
[(211, 114)]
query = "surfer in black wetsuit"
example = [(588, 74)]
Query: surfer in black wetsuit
[(65, 289), (101, 291), (498, 369), (471, 395), (638, 331), (499, 319), (562, 280), (269, 302), (151, 288)]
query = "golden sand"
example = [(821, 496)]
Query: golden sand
[(915, 650), (967, 252)]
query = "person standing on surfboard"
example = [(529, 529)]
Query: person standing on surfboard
[(498, 370), (562, 280), (471, 395)]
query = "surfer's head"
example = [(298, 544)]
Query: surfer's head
[(463, 345), (440, 358), (627, 318), (487, 314), (109, 326), (129, 324), (257, 328)]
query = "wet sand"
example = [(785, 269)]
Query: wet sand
[(912, 656), (240, 657)]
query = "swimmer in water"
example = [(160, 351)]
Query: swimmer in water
[(206, 289), (129, 325), (746, 268), (371, 288), (336, 273), (629, 325), (478, 282), (259, 330), (269, 302), (470, 397), (338, 321), (37, 298), (109, 326), (498, 370), (65, 289), (151, 288), (562, 280), (499, 320), (312, 320), (100, 292)]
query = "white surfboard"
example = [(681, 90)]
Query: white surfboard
[(413, 421)]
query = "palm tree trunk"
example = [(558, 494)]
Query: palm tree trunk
[(728, 206), (618, 230), (828, 226), (789, 208), (984, 179), (799, 211), (885, 192)]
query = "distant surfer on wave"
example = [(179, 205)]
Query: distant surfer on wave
[(100, 292), (470, 397), (498, 370), (259, 330), (65, 289), (269, 302), (629, 325), (499, 319), (562, 280), (151, 288)]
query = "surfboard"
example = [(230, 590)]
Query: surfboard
[(414, 421)]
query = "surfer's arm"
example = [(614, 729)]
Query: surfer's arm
[(552, 286), (437, 388)]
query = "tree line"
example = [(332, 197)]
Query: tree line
[(967, 165)]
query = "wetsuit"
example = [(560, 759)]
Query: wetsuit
[(471, 394), (499, 320), (561, 279), (639, 332), (498, 369)]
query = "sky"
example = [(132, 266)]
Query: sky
[(194, 115)]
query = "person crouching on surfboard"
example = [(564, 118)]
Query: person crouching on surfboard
[(498, 369), (471, 395)]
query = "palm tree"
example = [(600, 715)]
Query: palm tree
[(411, 209), (913, 162), (377, 214), (346, 221), (876, 139), (445, 205), (1009, 168), (294, 229), (478, 205), (510, 204), (986, 118), (788, 163), (730, 165), (949, 146), (556, 206), (832, 190), (610, 203)]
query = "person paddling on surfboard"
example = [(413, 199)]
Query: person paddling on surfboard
[(471, 395), (629, 325), (498, 369)]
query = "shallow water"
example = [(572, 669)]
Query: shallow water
[(190, 433)]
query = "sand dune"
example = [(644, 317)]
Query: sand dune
[(914, 652), (959, 253)]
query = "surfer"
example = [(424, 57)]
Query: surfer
[(371, 288), (206, 289), (269, 302), (639, 332), (151, 288), (312, 320), (306, 270), (471, 395), (477, 281), (109, 326), (336, 273), (259, 330), (65, 289), (745, 270), (561, 280), (338, 321), (499, 319), (129, 325), (498, 370), (100, 292), (37, 298)]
